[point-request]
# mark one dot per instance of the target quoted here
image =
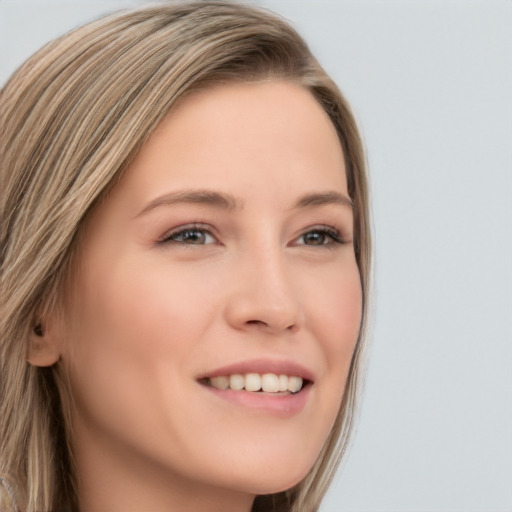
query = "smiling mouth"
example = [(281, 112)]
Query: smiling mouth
[(257, 383)]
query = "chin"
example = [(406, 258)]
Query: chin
[(272, 478)]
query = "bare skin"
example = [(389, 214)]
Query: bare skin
[(225, 248)]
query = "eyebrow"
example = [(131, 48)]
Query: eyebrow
[(229, 202), (324, 198), (206, 197)]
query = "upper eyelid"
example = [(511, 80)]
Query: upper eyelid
[(328, 229), (324, 227), (336, 234), (190, 226)]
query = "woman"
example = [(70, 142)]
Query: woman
[(185, 267)]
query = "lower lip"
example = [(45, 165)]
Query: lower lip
[(282, 406)]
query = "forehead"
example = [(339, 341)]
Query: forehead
[(234, 130)]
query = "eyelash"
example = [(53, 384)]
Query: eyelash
[(334, 236), (182, 230)]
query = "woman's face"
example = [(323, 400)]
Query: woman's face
[(225, 250)]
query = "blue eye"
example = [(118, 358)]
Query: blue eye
[(321, 237), (190, 235)]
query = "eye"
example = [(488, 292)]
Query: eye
[(190, 235), (321, 236)]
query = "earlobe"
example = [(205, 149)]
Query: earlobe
[(43, 348)]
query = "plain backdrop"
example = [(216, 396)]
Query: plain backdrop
[(430, 83)]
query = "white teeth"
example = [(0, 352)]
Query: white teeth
[(294, 384), (237, 382), (268, 382), (252, 382), (220, 382)]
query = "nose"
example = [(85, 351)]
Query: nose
[(263, 296)]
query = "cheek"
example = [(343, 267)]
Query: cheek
[(133, 306), (118, 330), (337, 310), (127, 326), (337, 318)]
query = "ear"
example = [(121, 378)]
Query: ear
[(44, 346)]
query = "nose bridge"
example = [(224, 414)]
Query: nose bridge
[(264, 294)]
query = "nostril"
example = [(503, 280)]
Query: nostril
[(266, 325), (256, 322)]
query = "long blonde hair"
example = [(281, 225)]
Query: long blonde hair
[(72, 118)]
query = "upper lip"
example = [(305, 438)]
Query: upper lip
[(262, 366)]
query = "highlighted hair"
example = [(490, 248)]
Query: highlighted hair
[(71, 120)]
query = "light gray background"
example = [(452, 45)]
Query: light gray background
[(430, 83)]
